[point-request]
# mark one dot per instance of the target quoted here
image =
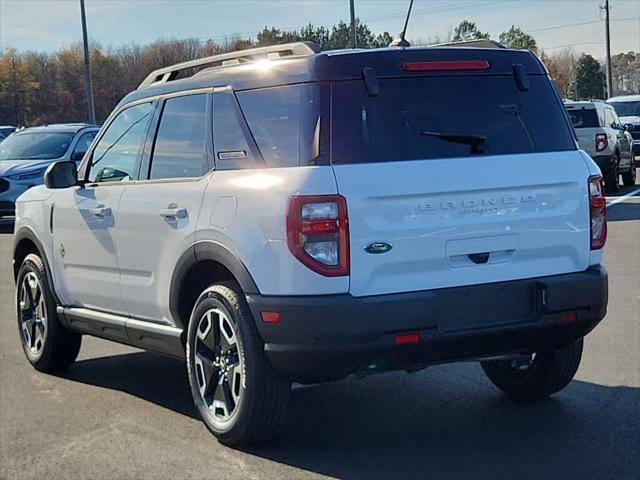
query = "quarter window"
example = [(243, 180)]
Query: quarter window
[(285, 121), (179, 150), (116, 156), (232, 141)]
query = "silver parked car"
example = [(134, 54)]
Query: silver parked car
[(602, 135), (25, 155)]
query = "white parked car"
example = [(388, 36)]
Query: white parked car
[(290, 215), (603, 136), (628, 109)]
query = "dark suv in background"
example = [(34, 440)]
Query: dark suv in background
[(26, 154)]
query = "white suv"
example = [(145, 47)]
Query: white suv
[(289, 215), (602, 135)]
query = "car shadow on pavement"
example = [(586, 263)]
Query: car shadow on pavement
[(444, 422), (155, 378)]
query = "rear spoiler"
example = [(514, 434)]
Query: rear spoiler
[(479, 43)]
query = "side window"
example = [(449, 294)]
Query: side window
[(608, 118), (83, 144), (116, 156), (615, 122), (179, 149), (285, 121), (234, 147)]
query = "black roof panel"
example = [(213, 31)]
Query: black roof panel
[(343, 65)]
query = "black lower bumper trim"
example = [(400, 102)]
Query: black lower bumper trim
[(328, 337)]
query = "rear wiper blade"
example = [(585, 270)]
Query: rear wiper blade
[(477, 142)]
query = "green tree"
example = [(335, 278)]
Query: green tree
[(626, 73), (318, 35), (468, 30), (382, 40), (517, 38), (589, 78)]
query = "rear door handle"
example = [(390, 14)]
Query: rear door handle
[(100, 211), (172, 212)]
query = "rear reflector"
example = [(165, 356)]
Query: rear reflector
[(270, 317), (567, 317), (406, 338), (448, 65)]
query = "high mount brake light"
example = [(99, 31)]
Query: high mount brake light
[(445, 65), (598, 212), (318, 233)]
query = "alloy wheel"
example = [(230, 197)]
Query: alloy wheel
[(218, 364), (32, 313)]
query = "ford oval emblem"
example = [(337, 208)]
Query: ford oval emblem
[(378, 247)]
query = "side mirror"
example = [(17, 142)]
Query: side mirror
[(61, 175)]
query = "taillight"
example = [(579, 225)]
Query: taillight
[(445, 65), (598, 212), (601, 141), (318, 233)]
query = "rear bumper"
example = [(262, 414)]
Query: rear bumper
[(323, 338)]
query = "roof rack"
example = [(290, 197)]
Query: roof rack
[(168, 74)]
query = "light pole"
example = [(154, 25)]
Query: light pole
[(608, 49), (354, 35), (87, 67)]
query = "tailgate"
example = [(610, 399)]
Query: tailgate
[(587, 139), (464, 221)]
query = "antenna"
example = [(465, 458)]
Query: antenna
[(399, 40)]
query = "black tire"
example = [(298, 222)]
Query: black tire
[(629, 177), (259, 411), (612, 175), (57, 347), (548, 373)]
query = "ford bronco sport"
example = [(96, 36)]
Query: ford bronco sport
[(283, 215), (601, 134)]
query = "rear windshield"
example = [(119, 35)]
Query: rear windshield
[(445, 116), (584, 118)]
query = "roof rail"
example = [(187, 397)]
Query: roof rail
[(168, 74)]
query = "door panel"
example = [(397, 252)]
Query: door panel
[(84, 246), (159, 217), (157, 222), (85, 219)]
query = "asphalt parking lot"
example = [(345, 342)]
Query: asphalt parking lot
[(122, 413)]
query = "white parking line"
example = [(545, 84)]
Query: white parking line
[(623, 198)]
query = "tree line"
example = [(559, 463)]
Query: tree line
[(38, 88)]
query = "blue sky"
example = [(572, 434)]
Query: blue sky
[(46, 25)]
